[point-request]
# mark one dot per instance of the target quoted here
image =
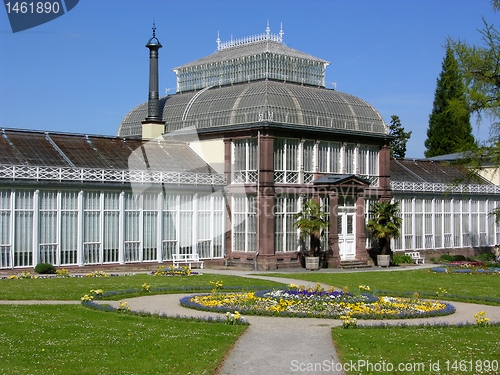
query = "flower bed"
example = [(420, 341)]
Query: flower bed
[(231, 319), (315, 303), (60, 273), (474, 267), (174, 271)]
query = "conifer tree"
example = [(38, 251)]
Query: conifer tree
[(449, 128), (398, 145)]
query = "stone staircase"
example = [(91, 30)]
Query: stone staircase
[(354, 264)]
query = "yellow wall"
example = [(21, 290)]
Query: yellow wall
[(212, 151), (491, 174)]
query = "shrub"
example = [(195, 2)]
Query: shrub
[(401, 259), (446, 258), (486, 257), (45, 268), (459, 258)]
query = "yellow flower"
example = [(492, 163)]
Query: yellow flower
[(86, 297), (481, 320)]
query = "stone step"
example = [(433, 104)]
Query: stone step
[(353, 264)]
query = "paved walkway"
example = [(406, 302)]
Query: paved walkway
[(274, 345)]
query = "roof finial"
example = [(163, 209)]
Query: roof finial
[(154, 28), (268, 30), (218, 41), (281, 32)]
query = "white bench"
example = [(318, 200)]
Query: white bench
[(415, 256), (188, 259)]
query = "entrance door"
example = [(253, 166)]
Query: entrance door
[(346, 231)]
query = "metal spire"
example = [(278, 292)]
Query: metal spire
[(154, 40)]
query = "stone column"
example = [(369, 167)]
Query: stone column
[(361, 253), (385, 172), (265, 205), (333, 236), (227, 172)]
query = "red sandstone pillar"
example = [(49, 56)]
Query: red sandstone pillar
[(333, 236), (385, 172), (265, 204), (361, 253), (227, 172)]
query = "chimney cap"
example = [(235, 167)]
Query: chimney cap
[(153, 41)]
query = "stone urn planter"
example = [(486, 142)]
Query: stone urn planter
[(312, 263), (383, 260)]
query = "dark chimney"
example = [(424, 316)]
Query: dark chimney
[(154, 114)]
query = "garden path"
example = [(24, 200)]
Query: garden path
[(273, 345)]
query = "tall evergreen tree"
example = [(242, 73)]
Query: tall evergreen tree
[(398, 145), (449, 128)]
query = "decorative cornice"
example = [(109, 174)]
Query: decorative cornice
[(33, 173), (428, 187), (251, 39)]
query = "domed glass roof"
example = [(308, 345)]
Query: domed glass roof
[(288, 104), (257, 79)]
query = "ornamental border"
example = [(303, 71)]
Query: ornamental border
[(41, 173)]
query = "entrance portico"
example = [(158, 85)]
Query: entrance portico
[(346, 234)]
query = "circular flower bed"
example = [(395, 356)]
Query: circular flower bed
[(315, 303)]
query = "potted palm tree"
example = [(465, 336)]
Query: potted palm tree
[(311, 222), (385, 224)]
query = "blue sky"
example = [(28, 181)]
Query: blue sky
[(84, 71)]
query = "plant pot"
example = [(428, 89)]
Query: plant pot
[(312, 263), (383, 260)]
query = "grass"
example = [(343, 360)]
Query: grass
[(420, 350), (74, 288), (60, 339), (72, 339), (460, 287), (454, 349)]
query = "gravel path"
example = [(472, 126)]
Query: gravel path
[(273, 345)]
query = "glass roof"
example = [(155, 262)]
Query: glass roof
[(257, 79), (44, 149), (265, 100), (249, 62)]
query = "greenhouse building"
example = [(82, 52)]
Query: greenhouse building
[(219, 170)]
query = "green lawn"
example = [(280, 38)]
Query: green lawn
[(72, 339), (450, 350), (73, 288), (62, 339), (464, 287), (419, 350)]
